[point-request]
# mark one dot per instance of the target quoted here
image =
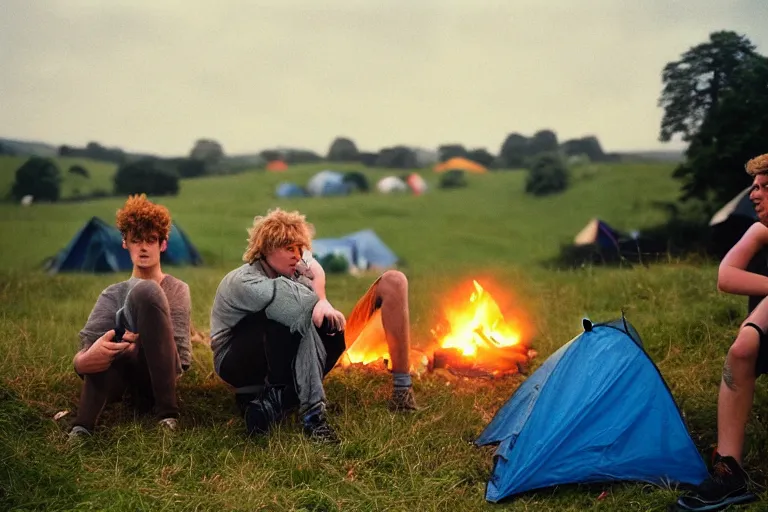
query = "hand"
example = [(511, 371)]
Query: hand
[(104, 350), (323, 310)]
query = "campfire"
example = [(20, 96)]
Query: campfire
[(473, 338)]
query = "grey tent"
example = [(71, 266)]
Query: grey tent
[(731, 221)]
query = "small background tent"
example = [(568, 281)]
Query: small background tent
[(286, 189), (416, 183), (276, 166), (599, 243), (597, 410), (363, 249), (732, 221), (97, 247), (391, 184), (460, 164), (328, 183)]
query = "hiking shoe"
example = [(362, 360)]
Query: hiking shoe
[(78, 433), (169, 424), (263, 412), (403, 400), (317, 429), (727, 485)]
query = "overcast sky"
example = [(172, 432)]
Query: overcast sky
[(156, 75)]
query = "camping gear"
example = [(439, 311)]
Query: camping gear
[(731, 221), (460, 164), (328, 183), (98, 247), (356, 181), (363, 249), (286, 189), (416, 183), (391, 184), (597, 410), (276, 166)]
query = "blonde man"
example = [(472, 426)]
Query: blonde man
[(275, 335), (746, 360), (150, 311)]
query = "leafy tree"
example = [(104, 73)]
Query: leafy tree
[(513, 151), (343, 150), (588, 146), (398, 157), (481, 156), (448, 151), (38, 177), (147, 176), (454, 178), (716, 98), (207, 150), (543, 141), (548, 175)]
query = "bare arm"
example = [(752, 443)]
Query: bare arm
[(732, 276)]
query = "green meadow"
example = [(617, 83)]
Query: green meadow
[(490, 231)]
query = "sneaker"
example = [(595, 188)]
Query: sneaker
[(403, 400), (317, 428), (264, 411), (170, 424), (727, 485), (78, 432)]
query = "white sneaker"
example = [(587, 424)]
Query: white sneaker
[(169, 423)]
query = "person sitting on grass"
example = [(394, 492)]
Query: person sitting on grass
[(746, 360), (153, 309), (275, 335)]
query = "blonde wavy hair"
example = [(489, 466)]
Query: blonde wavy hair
[(141, 218), (275, 230), (758, 165)]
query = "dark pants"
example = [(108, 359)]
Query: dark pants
[(149, 374), (262, 353)]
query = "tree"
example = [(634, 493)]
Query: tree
[(146, 176), (513, 151), (715, 98), (38, 177), (693, 85), (588, 146), (543, 141), (207, 150), (548, 175), (448, 151), (343, 150), (481, 156)]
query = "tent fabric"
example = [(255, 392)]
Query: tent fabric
[(598, 232), (363, 249), (98, 247), (327, 183), (739, 206), (391, 184), (461, 164), (416, 184), (597, 410), (277, 166), (286, 189)]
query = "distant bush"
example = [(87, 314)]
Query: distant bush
[(481, 156), (79, 169), (453, 179), (38, 177), (398, 157), (448, 151), (146, 176), (548, 175)]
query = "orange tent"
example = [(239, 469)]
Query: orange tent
[(461, 164), (277, 166)]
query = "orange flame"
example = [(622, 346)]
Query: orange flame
[(479, 326)]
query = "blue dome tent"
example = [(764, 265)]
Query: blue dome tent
[(363, 249), (597, 410)]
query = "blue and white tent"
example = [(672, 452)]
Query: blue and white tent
[(597, 410), (287, 189), (328, 183), (363, 249)]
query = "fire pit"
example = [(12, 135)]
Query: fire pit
[(473, 339)]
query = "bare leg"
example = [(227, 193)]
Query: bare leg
[(392, 293), (737, 390)]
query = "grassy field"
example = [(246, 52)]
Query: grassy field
[(490, 231)]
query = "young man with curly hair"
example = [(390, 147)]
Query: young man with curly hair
[(151, 311), (275, 335), (746, 360)]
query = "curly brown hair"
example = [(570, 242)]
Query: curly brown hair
[(758, 165), (277, 229), (140, 218)]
